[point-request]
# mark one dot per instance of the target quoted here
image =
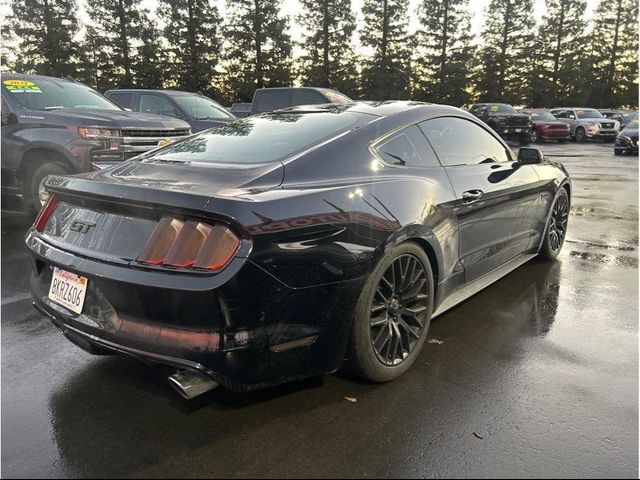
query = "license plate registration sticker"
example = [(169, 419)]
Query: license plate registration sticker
[(68, 289)]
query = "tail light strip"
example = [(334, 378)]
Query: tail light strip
[(189, 244), (45, 213)]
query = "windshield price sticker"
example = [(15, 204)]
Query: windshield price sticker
[(21, 86)]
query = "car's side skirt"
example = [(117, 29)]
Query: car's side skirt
[(470, 289)]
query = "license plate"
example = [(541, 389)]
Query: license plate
[(68, 289), (518, 130)]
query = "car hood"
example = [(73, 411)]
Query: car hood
[(511, 116), (630, 132), (114, 119)]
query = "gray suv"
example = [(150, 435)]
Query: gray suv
[(587, 123), (52, 126)]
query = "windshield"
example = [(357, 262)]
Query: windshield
[(335, 97), (201, 108), (589, 113), (631, 116), (502, 109), (44, 94), (632, 125), (542, 116), (264, 138)]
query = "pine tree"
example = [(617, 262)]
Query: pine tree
[(387, 72), (194, 43), (46, 29), (616, 61), (117, 22), (329, 59), (444, 54), (150, 62), (259, 48), (559, 46), (95, 66), (504, 57)]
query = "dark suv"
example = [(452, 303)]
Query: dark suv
[(52, 126), (505, 120), (198, 111)]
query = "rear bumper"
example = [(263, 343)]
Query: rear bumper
[(247, 330)]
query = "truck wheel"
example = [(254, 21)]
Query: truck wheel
[(581, 135), (534, 137), (37, 197), (525, 138)]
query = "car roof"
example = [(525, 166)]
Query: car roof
[(153, 90), (27, 76)]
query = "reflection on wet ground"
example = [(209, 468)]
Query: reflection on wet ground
[(535, 376)]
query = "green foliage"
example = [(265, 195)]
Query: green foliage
[(192, 31), (615, 61), (444, 55), (508, 37), (387, 72), (150, 62), (95, 66), (46, 30), (258, 53), (329, 59)]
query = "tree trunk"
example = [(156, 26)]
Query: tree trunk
[(503, 50), (443, 49), (325, 45), (614, 53), (257, 30), (556, 53), (124, 44), (385, 33), (192, 75)]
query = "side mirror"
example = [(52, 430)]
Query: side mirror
[(571, 116), (530, 156)]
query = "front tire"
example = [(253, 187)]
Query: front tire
[(525, 138), (37, 197), (392, 316), (581, 135), (534, 137), (556, 227)]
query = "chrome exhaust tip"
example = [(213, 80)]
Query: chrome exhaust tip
[(190, 384)]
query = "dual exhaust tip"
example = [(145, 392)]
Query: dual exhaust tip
[(190, 384)]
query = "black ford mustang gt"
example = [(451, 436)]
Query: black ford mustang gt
[(282, 245)]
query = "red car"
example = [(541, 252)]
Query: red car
[(546, 127)]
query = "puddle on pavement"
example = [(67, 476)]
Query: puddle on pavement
[(604, 258)]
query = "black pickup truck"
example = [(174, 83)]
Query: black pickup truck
[(505, 120), (52, 126)]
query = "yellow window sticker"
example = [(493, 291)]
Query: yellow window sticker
[(494, 108), (21, 86)]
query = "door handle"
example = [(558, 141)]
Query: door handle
[(471, 196)]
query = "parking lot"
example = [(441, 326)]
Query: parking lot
[(535, 376)]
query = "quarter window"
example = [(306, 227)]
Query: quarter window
[(408, 148), (461, 142)]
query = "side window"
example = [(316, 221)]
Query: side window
[(270, 100), (5, 113), (559, 113), (408, 148), (156, 104), (308, 97), (123, 100), (461, 142)]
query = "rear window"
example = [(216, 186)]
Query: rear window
[(259, 139), (124, 100), (270, 100)]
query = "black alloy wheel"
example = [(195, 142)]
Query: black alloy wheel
[(557, 226), (392, 316), (398, 310)]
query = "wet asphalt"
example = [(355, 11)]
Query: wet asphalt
[(536, 376)]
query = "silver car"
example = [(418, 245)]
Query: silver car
[(587, 123)]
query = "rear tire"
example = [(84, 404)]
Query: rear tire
[(556, 230), (392, 316), (36, 197)]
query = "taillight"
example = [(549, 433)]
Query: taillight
[(45, 213), (189, 244)]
